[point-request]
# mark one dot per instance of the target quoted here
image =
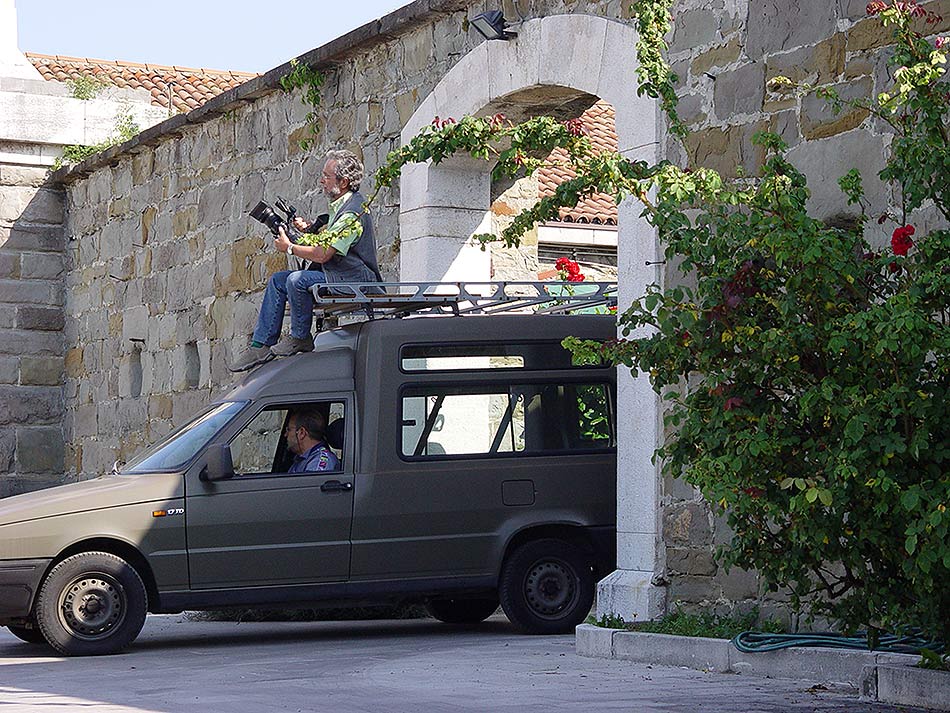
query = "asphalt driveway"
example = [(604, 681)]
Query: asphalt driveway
[(416, 666)]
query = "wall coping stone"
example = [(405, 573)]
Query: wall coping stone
[(326, 56), (878, 676)]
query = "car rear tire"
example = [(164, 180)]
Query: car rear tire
[(90, 604), (31, 635), (547, 587), (462, 611)]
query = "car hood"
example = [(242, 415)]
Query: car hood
[(96, 494)]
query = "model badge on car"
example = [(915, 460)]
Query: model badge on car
[(169, 511)]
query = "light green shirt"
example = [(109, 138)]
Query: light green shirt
[(347, 229)]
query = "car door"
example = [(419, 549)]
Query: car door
[(267, 526)]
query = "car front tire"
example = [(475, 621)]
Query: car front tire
[(90, 604)]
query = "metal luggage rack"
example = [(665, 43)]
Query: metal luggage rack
[(399, 299)]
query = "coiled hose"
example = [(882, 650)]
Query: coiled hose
[(751, 642)]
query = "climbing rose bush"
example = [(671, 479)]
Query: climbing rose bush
[(806, 374)]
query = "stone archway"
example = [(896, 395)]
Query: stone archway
[(554, 61)]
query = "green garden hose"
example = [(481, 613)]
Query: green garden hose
[(751, 642)]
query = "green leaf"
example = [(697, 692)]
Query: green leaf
[(910, 499)]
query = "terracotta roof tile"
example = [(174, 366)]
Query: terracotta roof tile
[(190, 87), (598, 208)]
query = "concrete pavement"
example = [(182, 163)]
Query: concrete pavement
[(417, 666)]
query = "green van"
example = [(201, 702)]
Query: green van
[(475, 466)]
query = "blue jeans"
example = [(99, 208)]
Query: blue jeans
[(287, 286)]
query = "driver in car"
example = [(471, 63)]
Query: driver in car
[(307, 440)]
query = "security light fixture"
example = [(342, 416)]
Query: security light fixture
[(492, 26)]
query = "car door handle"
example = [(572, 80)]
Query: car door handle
[(335, 486)]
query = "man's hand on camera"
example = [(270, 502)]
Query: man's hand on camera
[(282, 242), (301, 224)]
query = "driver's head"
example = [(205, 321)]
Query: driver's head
[(305, 428)]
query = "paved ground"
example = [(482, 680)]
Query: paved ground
[(414, 666)]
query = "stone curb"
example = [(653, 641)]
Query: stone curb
[(881, 677)]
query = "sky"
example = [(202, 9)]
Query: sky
[(238, 35)]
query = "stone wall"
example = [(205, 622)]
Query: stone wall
[(31, 329), (165, 269)]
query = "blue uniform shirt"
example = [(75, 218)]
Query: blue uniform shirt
[(317, 459)]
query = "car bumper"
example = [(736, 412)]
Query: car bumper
[(19, 580)]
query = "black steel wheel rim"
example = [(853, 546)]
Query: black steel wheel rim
[(92, 606), (550, 588)]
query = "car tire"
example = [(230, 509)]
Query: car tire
[(547, 587), (462, 610), (31, 635), (90, 604)]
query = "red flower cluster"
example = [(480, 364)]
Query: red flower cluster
[(496, 120), (753, 492), (575, 127), (941, 41), (910, 8), (568, 270), (442, 123), (733, 402), (901, 241)]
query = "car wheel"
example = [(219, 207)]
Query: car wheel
[(461, 610), (91, 603), (547, 587), (29, 634)]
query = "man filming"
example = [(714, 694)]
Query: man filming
[(346, 253)]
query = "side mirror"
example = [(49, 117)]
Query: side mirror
[(218, 465)]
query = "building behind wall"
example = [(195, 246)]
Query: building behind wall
[(163, 269)]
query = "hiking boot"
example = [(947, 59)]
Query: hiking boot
[(291, 345), (251, 357)]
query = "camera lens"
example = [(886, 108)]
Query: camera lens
[(263, 213)]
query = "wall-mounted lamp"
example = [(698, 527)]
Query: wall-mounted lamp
[(492, 26)]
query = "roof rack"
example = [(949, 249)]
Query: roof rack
[(399, 299)]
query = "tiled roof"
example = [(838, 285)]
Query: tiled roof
[(190, 88), (599, 208)]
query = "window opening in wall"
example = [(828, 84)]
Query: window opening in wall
[(192, 365), (135, 371), (505, 419)]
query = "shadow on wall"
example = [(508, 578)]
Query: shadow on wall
[(32, 321)]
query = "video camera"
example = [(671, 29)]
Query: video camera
[(263, 213)]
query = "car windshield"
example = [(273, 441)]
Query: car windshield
[(177, 449)]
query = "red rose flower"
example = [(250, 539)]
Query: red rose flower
[(733, 402), (575, 127), (901, 241)]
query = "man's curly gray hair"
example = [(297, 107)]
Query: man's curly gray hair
[(348, 166)]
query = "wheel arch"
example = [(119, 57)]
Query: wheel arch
[(127, 551), (578, 535)]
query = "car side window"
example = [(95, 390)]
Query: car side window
[(274, 438), (505, 419)]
